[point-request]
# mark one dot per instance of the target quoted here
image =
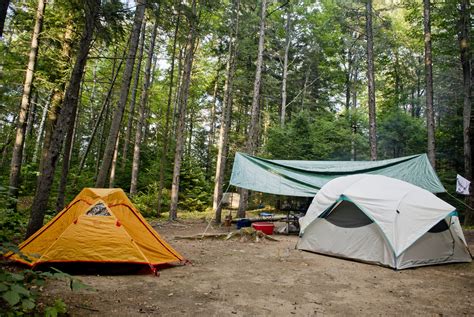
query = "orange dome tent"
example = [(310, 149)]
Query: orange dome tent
[(99, 226)]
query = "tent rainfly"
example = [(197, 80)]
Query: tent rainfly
[(377, 219), (99, 226), (305, 178)]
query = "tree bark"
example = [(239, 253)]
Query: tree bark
[(45, 180), (430, 122), (131, 112), (285, 67), (182, 103), (68, 147), (371, 82), (255, 114), (3, 15), (40, 131), (143, 105), (113, 165), (125, 87), (15, 170), (212, 123), (166, 141), (223, 143), (465, 54)]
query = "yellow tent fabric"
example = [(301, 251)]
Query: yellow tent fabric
[(117, 234)]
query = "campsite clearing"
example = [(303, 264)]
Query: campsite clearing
[(270, 278)]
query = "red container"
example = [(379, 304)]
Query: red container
[(265, 227)]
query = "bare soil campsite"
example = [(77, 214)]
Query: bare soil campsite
[(241, 277)]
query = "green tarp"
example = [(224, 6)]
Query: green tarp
[(305, 178)]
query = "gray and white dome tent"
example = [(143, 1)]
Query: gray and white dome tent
[(378, 219)]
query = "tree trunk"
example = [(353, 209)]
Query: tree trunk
[(223, 144), (285, 67), (166, 141), (125, 87), (15, 169), (464, 48), (348, 80), (430, 122), (253, 129), (142, 111), (113, 165), (68, 147), (371, 82), (3, 14), (131, 113), (182, 103), (40, 131), (212, 123), (45, 180)]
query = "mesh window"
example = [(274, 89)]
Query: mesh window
[(347, 215), (439, 227), (98, 210)]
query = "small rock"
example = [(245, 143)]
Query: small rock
[(170, 294)]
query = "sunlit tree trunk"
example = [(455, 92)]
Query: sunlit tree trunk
[(223, 143), (142, 111), (45, 180), (211, 136), (16, 161), (133, 97), (285, 67), (430, 122), (371, 82), (255, 114), (182, 103), (113, 165), (44, 113), (125, 87), (166, 140)]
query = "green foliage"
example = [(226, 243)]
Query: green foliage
[(19, 291), (146, 201), (314, 136), (400, 134), (194, 190)]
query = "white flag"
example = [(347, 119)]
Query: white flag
[(462, 185)]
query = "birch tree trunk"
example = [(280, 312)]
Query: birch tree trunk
[(212, 123), (131, 112), (182, 103), (40, 131), (113, 166), (285, 67), (164, 152), (430, 122), (371, 81), (255, 114), (125, 87), (223, 142), (45, 180), (15, 169), (142, 111), (465, 54)]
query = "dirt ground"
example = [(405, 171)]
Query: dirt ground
[(234, 278)]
